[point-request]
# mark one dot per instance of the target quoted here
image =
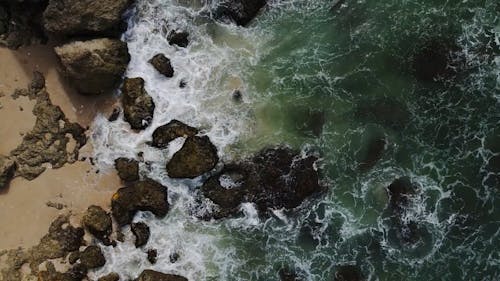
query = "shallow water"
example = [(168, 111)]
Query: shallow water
[(343, 83)]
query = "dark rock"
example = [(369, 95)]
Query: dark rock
[(73, 257), (239, 11), (141, 232), (179, 38), (273, 179), (174, 257), (114, 115), (150, 275), (385, 112), (138, 106), (145, 195), (493, 164), (20, 23), (95, 66), (399, 192), (152, 256), (182, 84), (168, 132), (237, 96), (128, 169), (197, 156), (7, 169), (110, 277), (162, 64), (77, 272), (288, 275), (98, 223), (67, 17), (92, 257), (374, 152), (432, 61), (38, 82), (348, 273)]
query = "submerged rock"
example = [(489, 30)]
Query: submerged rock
[(348, 273), (432, 61), (179, 38), (163, 65), (141, 233), (239, 11), (128, 169), (399, 191), (98, 223), (92, 257), (164, 134), (275, 178), (287, 274), (69, 17), (197, 156), (138, 106), (7, 169), (145, 195), (95, 66), (374, 152), (385, 112), (150, 275)]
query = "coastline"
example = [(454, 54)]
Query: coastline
[(24, 213)]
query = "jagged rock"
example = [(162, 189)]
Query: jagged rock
[(162, 64), (128, 169), (152, 256), (50, 139), (7, 169), (98, 223), (94, 66), (92, 257), (273, 179), (110, 277), (83, 17), (114, 115), (239, 11), (168, 132), (348, 273), (138, 106), (150, 275), (179, 38), (141, 233), (145, 195), (197, 156), (385, 112)]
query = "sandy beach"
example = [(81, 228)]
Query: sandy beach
[(25, 214)]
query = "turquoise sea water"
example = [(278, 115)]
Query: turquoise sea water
[(419, 80)]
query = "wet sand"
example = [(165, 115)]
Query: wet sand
[(24, 214)]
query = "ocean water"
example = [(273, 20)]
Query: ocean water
[(330, 81)]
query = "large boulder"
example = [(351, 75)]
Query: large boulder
[(150, 275), (141, 232), (128, 169), (98, 223), (92, 257), (94, 66), (275, 178), (168, 132), (138, 106), (84, 17), (239, 11), (7, 169), (145, 195), (197, 156), (162, 64)]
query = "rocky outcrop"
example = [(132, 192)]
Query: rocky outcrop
[(273, 179), (197, 156), (162, 64), (348, 273), (98, 223), (7, 169), (94, 66), (92, 257), (168, 132), (83, 17), (53, 139), (128, 169), (138, 106), (239, 11), (150, 275), (179, 38), (141, 233), (145, 195)]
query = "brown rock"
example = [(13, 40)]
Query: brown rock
[(162, 64), (92, 257), (168, 132), (128, 169), (7, 169), (141, 233), (110, 277), (98, 223), (150, 275), (138, 106)]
